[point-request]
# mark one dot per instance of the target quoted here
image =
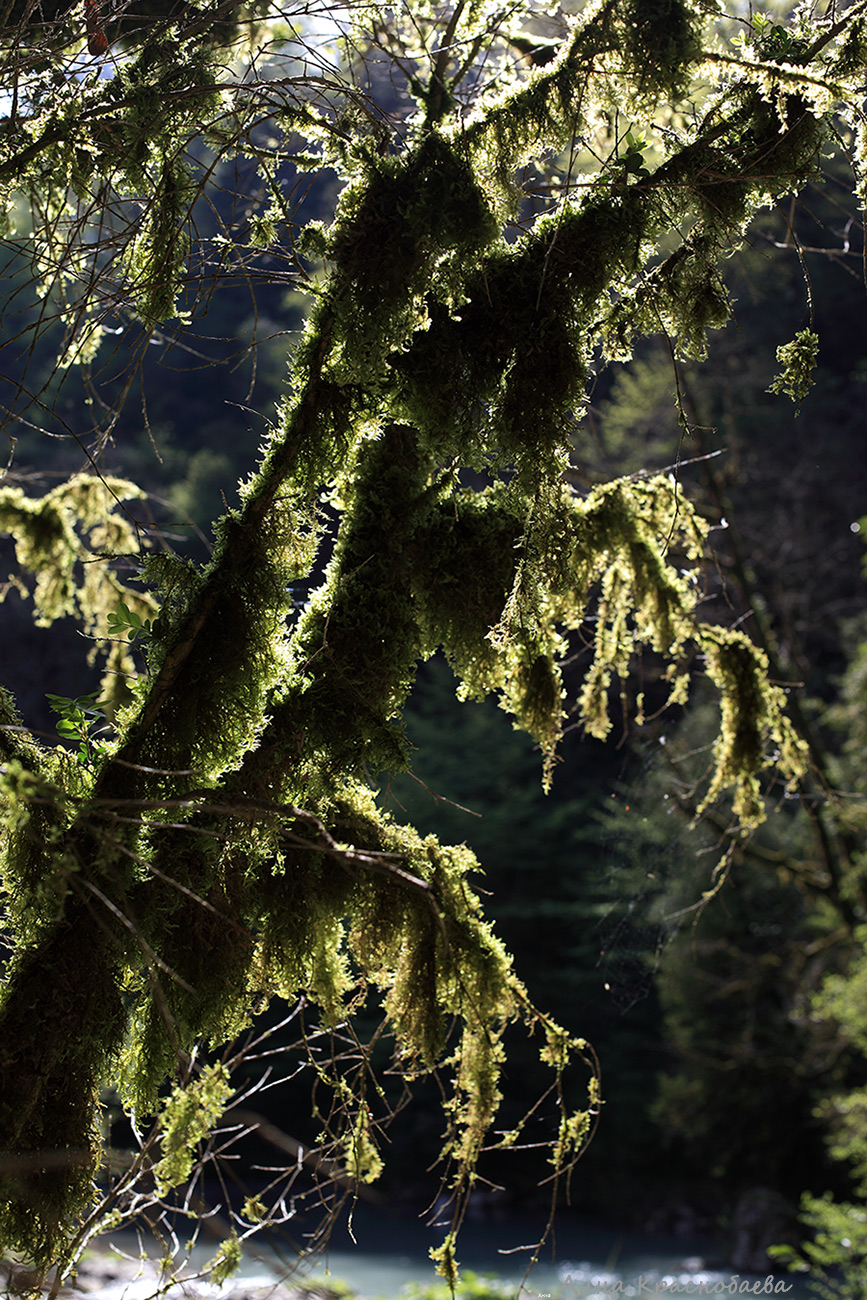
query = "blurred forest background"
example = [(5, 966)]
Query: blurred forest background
[(731, 1032)]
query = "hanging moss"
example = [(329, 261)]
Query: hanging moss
[(660, 38), (33, 818), (69, 987), (192, 914), (392, 226), (691, 297), (67, 540), (227, 846), (798, 359), (463, 568), (154, 261), (510, 357), (400, 213), (752, 710)]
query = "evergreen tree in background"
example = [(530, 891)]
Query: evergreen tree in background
[(751, 1051), (221, 845), (559, 906)]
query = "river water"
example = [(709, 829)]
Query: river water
[(584, 1264), (587, 1264)]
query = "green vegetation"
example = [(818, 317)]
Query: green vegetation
[(472, 1286), (225, 847)]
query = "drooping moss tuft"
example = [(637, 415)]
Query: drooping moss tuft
[(660, 38), (393, 224), (752, 719), (463, 571)]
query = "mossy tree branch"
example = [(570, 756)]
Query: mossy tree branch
[(228, 847)]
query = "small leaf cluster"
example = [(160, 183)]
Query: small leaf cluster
[(631, 159), (127, 622), (79, 717)]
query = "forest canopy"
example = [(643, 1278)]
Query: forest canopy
[(524, 196)]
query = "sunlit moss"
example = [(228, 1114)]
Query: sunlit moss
[(228, 847)]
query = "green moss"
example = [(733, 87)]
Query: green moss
[(68, 985), (798, 359), (229, 847), (186, 1118), (659, 40)]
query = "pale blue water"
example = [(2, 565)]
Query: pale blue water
[(387, 1276), (586, 1263), (582, 1263)]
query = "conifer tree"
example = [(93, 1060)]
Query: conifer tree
[(223, 846)]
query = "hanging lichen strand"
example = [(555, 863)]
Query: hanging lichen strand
[(227, 847)]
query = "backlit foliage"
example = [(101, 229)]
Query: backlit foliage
[(227, 848)]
